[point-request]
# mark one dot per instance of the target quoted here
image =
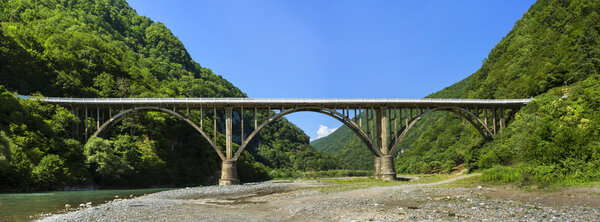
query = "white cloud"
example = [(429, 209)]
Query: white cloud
[(324, 131)]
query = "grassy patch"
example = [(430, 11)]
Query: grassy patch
[(502, 174), (288, 174), (346, 184)]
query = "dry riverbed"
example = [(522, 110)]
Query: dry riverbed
[(350, 200)]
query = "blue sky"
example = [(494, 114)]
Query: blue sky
[(337, 49)]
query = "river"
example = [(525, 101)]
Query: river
[(31, 206)]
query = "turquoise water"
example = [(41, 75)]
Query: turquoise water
[(30, 206)]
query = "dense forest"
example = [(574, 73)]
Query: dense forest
[(102, 48), (551, 54)]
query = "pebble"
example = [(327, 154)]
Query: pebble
[(416, 204)]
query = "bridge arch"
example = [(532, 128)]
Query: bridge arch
[(371, 145), (475, 121), (121, 115)]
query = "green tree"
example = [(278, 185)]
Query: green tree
[(51, 172), (105, 160)]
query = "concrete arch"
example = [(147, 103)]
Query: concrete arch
[(121, 115), (484, 131), (330, 112)]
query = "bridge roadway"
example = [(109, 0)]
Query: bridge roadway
[(351, 103), (380, 123)]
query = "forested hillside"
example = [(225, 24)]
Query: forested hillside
[(552, 54), (103, 48)]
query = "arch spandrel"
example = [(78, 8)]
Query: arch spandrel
[(121, 115), (371, 145), (475, 121)]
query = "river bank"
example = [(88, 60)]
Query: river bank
[(30, 206), (356, 200)]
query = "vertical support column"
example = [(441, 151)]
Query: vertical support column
[(229, 167), (347, 112), (502, 120), (242, 125), (368, 126), (373, 124), (382, 129), (390, 126), (400, 116), (360, 118), (485, 117), (228, 132), (396, 124), (187, 112), (215, 123), (255, 120), (76, 112), (494, 119), (86, 124), (97, 117), (386, 162)]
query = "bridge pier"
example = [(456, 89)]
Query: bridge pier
[(387, 171), (229, 167), (229, 173), (377, 168), (384, 165)]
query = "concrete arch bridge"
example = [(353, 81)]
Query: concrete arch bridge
[(379, 123)]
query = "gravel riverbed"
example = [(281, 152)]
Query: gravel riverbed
[(308, 201)]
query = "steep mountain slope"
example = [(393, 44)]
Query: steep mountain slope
[(104, 49), (553, 139)]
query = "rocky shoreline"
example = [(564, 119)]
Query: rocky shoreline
[(307, 201)]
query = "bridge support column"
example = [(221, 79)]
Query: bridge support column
[(387, 171), (377, 168), (229, 168), (229, 173)]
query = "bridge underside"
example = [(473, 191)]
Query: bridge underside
[(380, 123)]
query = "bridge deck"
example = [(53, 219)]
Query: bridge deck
[(276, 103)]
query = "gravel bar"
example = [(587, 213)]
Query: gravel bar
[(305, 201)]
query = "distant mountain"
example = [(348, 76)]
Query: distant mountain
[(554, 139)]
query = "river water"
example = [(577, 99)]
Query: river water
[(31, 206)]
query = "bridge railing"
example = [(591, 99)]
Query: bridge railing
[(186, 100)]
